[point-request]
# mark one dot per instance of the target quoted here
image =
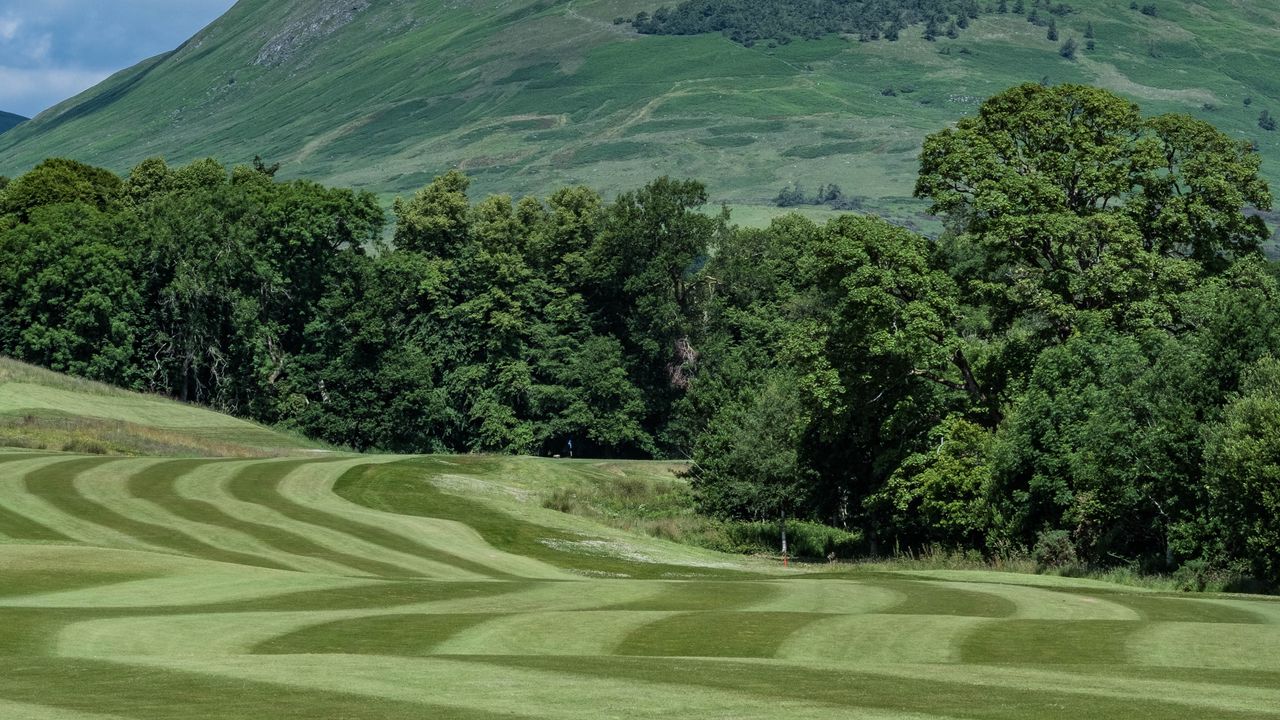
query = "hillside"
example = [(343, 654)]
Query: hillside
[(527, 95), (8, 121), (379, 588), (43, 410)]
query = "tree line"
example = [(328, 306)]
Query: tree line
[(1083, 366), (751, 21)]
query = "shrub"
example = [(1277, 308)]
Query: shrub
[(804, 539), (1068, 49), (1054, 550), (85, 446), (1193, 576)]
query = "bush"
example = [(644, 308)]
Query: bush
[(85, 446), (1203, 576), (1193, 576), (804, 539), (1054, 550)]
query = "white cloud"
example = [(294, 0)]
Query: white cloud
[(38, 49), (27, 88), (9, 27)]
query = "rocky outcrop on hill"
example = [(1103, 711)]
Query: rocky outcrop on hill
[(316, 21)]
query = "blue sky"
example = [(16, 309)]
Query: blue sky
[(53, 49)]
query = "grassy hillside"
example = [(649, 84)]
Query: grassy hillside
[(526, 95), (43, 410), (371, 588), (8, 121)]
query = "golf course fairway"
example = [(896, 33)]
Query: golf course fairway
[(307, 583)]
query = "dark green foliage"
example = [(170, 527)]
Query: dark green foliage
[(830, 195), (1053, 550), (751, 21), (1266, 121), (262, 298), (60, 181), (1068, 49), (1041, 377), (1052, 32), (809, 540), (70, 298), (1243, 462)]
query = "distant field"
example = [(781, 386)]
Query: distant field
[(526, 96), (363, 587)]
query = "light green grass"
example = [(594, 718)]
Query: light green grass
[(44, 410), (528, 95), (378, 588)]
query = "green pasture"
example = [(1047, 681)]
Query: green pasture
[(377, 587)]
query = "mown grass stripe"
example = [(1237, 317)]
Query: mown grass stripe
[(1165, 608), (1049, 642), (688, 596), (23, 581), (17, 526), (55, 484), (774, 683), (880, 639), (930, 599), (21, 527), (16, 457), (259, 484), (1234, 677), (405, 635), (30, 711), (716, 634), (29, 632), (377, 596), (146, 693), (156, 485)]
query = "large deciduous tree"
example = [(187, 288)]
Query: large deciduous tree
[(1074, 203)]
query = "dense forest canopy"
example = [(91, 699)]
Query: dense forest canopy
[(1084, 366), (750, 21)]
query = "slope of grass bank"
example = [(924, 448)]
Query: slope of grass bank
[(44, 410)]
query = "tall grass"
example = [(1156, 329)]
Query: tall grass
[(90, 436), (15, 371)]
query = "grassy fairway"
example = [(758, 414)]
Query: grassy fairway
[(361, 587)]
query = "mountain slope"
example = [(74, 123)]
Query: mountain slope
[(8, 121), (526, 95)]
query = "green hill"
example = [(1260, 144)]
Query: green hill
[(380, 588), (530, 94), (8, 121), (43, 410)]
